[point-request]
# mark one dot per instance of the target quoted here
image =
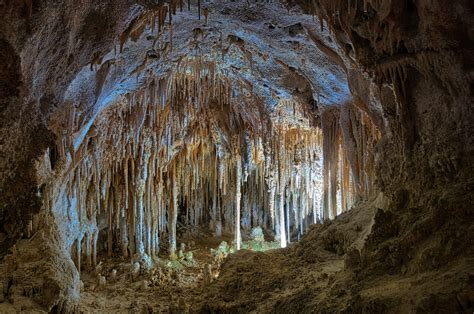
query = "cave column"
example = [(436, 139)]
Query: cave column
[(281, 214), (282, 217), (89, 250), (238, 196), (140, 190), (123, 237), (173, 214)]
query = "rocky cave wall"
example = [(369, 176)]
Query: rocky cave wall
[(43, 47), (410, 67)]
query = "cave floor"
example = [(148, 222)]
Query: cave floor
[(168, 286), (316, 274)]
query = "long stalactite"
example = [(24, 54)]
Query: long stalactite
[(192, 147)]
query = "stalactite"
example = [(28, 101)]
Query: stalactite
[(199, 9), (205, 12), (172, 146)]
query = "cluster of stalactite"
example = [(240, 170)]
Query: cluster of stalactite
[(157, 17), (349, 140), (193, 147), (188, 147)]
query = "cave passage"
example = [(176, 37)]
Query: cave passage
[(197, 147), (197, 144), (217, 156), (185, 147)]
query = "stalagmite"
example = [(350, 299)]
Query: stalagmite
[(78, 254), (139, 232), (123, 237), (94, 248), (89, 250)]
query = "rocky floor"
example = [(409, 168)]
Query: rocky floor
[(171, 286), (332, 269)]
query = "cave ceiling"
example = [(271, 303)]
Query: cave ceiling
[(261, 49)]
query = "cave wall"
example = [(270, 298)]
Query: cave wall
[(44, 45), (409, 67)]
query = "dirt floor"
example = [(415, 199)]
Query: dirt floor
[(288, 280), (172, 286)]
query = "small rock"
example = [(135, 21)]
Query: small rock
[(98, 268), (323, 276), (257, 234), (113, 275), (182, 307), (15, 294), (28, 291), (223, 248), (207, 273), (135, 271), (188, 256), (101, 281), (144, 285), (352, 259)]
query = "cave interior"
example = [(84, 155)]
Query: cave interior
[(234, 156)]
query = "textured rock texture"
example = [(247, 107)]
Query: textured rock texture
[(44, 45)]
